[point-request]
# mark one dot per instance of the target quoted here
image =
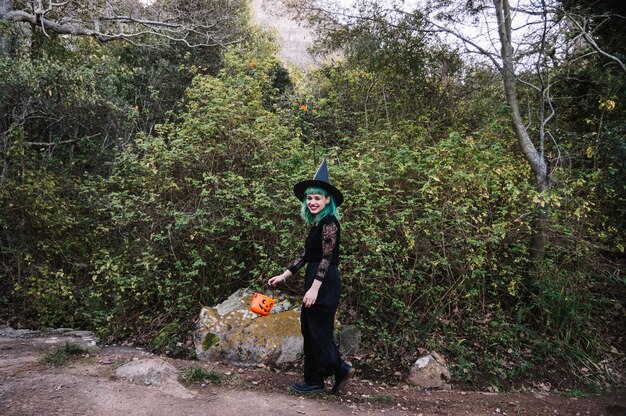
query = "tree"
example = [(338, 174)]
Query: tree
[(528, 51), (531, 54), (536, 157), (191, 23), (593, 113), (65, 88)]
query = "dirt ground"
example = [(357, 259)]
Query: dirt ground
[(88, 385)]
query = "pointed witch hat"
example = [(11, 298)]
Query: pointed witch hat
[(320, 180)]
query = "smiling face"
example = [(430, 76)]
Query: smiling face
[(316, 203)]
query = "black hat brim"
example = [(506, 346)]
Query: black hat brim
[(301, 187)]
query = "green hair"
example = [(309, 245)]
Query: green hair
[(329, 209)]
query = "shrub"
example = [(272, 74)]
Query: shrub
[(61, 355), (200, 375)]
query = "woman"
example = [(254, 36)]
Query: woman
[(322, 284)]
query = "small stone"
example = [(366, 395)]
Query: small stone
[(430, 371)]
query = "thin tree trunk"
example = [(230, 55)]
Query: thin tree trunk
[(538, 237), (535, 159)]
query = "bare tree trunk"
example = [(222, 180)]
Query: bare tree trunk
[(535, 159), (6, 43), (538, 237)]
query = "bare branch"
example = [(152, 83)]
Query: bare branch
[(587, 37), (467, 41), (108, 24), (49, 144)]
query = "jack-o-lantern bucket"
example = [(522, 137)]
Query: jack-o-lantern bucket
[(261, 304)]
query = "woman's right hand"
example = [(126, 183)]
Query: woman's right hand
[(276, 280), (281, 278)]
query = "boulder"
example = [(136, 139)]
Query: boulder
[(53, 336), (154, 372), (148, 371), (430, 371), (231, 332)]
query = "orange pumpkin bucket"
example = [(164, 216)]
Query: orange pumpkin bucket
[(261, 304)]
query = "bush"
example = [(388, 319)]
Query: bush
[(61, 355), (200, 375)]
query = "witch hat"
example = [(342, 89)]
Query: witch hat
[(320, 180)]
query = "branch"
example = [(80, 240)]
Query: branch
[(130, 19), (156, 28), (468, 41), (61, 142), (587, 37)]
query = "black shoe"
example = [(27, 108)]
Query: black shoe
[(342, 376), (305, 388)]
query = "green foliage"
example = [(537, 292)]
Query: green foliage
[(200, 375), (173, 339), (434, 236), (68, 105), (209, 340), (61, 355), (196, 205)]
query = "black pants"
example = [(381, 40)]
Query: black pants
[(321, 355)]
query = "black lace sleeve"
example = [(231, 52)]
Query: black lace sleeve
[(298, 262), (330, 234)]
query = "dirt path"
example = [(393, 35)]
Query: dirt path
[(90, 386)]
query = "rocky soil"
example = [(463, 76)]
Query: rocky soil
[(112, 380)]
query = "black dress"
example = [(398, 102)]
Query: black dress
[(321, 255)]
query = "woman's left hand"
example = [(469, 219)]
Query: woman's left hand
[(310, 297)]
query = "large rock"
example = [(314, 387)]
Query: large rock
[(231, 332), (430, 371), (155, 373), (59, 335)]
